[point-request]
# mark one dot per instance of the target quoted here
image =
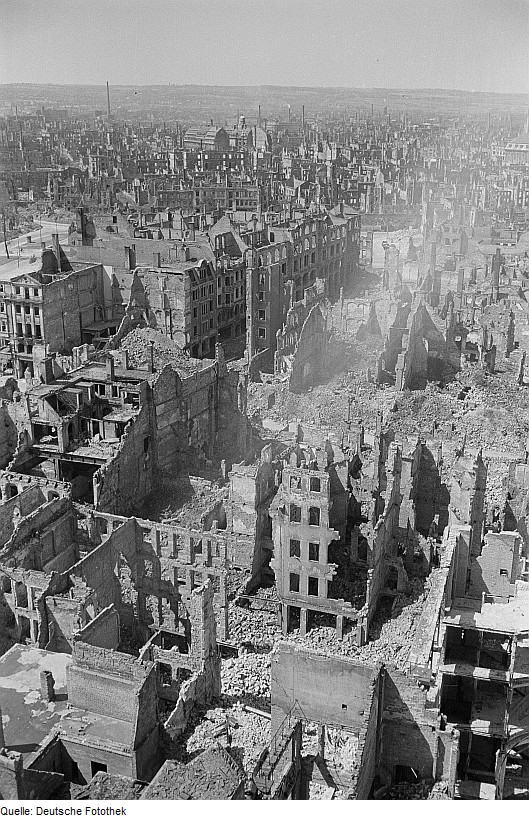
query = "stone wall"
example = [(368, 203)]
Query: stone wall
[(102, 631), (70, 303), (416, 349), (366, 763), (8, 434), (124, 482), (325, 689), (303, 347), (383, 551), (495, 571), (61, 617), (448, 583), (17, 507)]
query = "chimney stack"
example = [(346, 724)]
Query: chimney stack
[(47, 686), (183, 253), (496, 265), (110, 367), (130, 257), (56, 248), (108, 101), (151, 356)]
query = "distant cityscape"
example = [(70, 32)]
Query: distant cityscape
[(264, 443)]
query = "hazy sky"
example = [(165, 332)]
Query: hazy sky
[(477, 45)]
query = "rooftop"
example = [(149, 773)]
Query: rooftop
[(27, 717), (510, 617), (91, 729)]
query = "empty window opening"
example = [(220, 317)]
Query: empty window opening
[(312, 587), (25, 629), (21, 595), (320, 620), (295, 548), (314, 551), (293, 618), (98, 767), (295, 514), (166, 674)]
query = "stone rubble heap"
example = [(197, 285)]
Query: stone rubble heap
[(249, 732), (257, 628), (408, 791), (138, 345), (390, 640), (247, 677)]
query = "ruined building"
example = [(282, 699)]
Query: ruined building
[(336, 533)]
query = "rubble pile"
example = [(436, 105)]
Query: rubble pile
[(391, 634), (258, 629), (341, 748), (408, 791), (184, 503), (247, 677), (319, 791), (138, 345), (249, 734), (391, 637)]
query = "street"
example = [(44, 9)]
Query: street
[(28, 248)]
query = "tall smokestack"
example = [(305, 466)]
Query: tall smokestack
[(108, 101), (496, 265)]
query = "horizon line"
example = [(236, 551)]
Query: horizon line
[(269, 85)]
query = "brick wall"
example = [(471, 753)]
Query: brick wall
[(408, 729)]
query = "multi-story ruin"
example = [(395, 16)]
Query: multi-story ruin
[(264, 448)]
